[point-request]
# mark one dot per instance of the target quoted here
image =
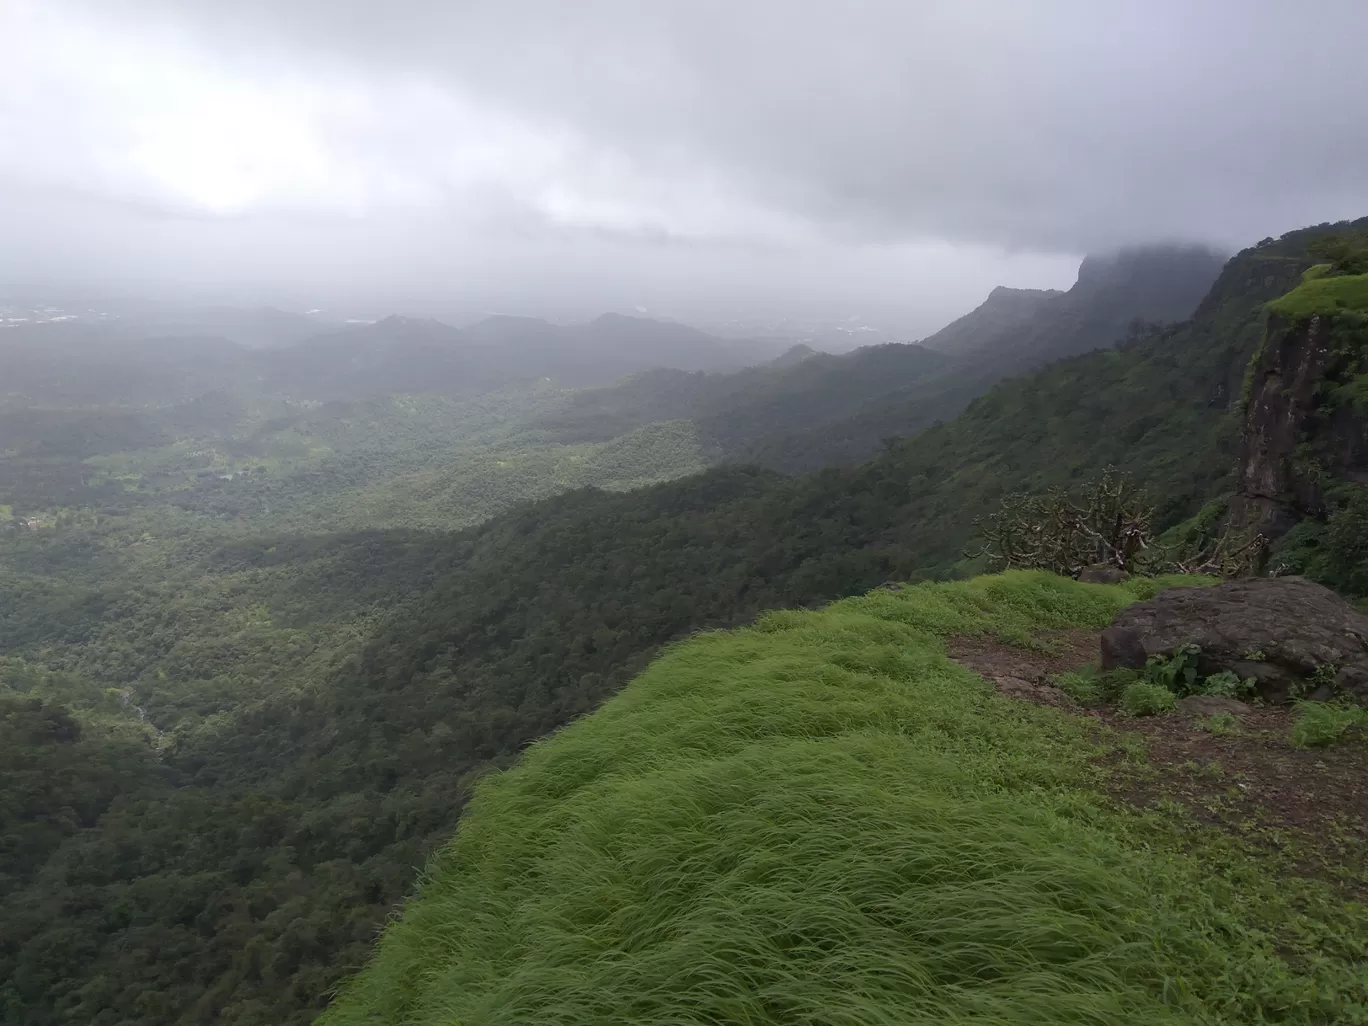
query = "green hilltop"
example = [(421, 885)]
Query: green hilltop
[(1324, 294), (821, 818)]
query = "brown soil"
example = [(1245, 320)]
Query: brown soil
[(1306, 808)]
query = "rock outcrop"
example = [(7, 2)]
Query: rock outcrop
[(1294, 637), (1298, 432)]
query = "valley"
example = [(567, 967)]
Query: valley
[(266, 617)]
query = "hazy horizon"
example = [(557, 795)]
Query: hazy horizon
[(698, 162)]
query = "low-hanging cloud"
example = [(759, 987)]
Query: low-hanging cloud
[(668, 146)]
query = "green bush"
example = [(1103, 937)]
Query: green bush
[(1319, 724), (1227, 684), (1176, 673), (1145, 699)]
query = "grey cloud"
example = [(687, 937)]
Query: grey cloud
[(1062, 124), (776, 155)]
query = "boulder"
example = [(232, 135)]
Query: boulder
[(1123, 648), (1102, 573), (1294, 637)]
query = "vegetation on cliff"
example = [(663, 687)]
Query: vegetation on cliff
[(1332, 294)]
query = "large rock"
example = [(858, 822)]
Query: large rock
[(1285, 632)]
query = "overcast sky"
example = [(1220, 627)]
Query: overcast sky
[(702, 158)]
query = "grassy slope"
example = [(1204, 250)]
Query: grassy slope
[(822, 819), (1320, 294)]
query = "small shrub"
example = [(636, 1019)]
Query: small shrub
[(1227, 684), (1319, 724), (1322, 677), (1143, 698), (1221, 725), (1176, 673), (1089, 687)]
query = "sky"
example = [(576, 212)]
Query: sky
[(704, 159)]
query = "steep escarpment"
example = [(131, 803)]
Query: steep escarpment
[(1305, 427)]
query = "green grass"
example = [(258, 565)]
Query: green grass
[(1145, 699), (1319, 724), (823, 820), (1324, 295), (1221, 725), (1087, 686)]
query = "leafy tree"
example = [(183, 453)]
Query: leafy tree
[(1345, 254)]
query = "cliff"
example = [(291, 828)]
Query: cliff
[(1306, 410)]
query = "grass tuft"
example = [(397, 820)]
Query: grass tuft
[(1145, 699), (822, 819), (1319, 724), (1221, 725)]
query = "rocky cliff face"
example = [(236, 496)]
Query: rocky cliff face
[(1303, 427)]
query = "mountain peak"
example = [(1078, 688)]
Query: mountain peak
[(1165, 260), (612, 318)]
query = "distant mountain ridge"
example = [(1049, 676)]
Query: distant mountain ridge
[(180, 356), (404, 354), (840, 409), (1003, 311), (1013, 332)]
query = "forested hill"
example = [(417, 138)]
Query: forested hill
[(239, 863), (1115, 297), (839, 410), (168, 361)]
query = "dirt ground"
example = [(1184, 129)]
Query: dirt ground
[(1307, 807)]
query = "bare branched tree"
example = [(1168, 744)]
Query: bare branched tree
[(1233, 554), (1106, 522)]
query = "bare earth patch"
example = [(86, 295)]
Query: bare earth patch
[(1025, 673), (1306, 808)]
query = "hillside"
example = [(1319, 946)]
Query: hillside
[(823, 819), (1012, 332), (316, 705), (839, 410), (734, 411), (994, 322)]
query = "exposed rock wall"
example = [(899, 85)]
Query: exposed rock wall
[(1300, 431)]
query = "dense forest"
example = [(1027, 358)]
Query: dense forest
[(254, 652)]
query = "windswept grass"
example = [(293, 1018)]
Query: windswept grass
[(1319, 724), (823, 820)]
